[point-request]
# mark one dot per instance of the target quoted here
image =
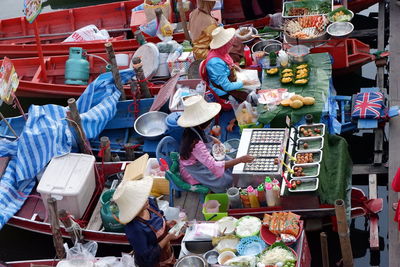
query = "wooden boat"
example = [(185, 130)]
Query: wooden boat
[(233, 10), (33, 84), (347, 54), (119, 130), (17, 39)]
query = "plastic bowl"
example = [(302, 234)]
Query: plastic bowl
[(345, 11), (151, 124), (225, 256), (248, 37), (272, 48), (340, 29), (211, 256), (298, 53)]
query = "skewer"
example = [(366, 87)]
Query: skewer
[(290, 156), (287, 167)]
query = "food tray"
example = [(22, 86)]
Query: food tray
[(307, 185), (265, 150), (261, 165), (267, 137), (314, 143), (313, 126), (251, 246), (317, 156), (310, 170), (315, 7)]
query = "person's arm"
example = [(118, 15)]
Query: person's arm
[(216, 70), (242, 159), (201, 153)]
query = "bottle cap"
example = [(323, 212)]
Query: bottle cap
[(275, 187), (250, 189), (267, 180), (268, 186), (260, 187), (275, 181)]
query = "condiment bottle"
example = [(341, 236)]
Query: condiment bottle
[(277, 192), (253, 197), (267, 181), (247, 56), (269, 194), (261, 195), (245, 198)]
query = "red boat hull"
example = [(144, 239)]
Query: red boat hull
[(107, 16)]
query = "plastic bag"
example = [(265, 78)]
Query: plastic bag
[(244, 112), (165, 29), (81, 254), (87, 33)]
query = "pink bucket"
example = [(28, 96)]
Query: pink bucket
[(212, 206)]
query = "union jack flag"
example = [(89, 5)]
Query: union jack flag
[(368, 105)]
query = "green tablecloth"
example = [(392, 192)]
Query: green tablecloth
[(317, 87), (336, 170)]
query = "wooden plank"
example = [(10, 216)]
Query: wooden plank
[(374, 221), (378, 146), (191, 204), (364, 169), (95, 221)]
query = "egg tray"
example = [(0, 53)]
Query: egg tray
[(261, 165), (267, 136), (265, 150)]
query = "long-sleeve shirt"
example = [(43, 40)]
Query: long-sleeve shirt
[(201, 154), (143, 240), (218, 72)]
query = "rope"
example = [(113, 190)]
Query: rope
[(75, 229)]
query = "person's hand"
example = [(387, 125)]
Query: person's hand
[(171, 223), (174, 237), (246, 159), (249, 82), (215, 140), (237, 68)]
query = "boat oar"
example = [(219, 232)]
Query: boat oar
[(56, 34)]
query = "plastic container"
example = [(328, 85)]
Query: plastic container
[(313, 143), (247, 56), (227, 225), (232, 145), (317, 156), (253, 197), (310, 170), (303, 187), (298, 53), (174, 129), (223, 208), (234, 198), (269, 195), (163, 70), (212, 206), (160, 184), (122, 60), (211, 256), (319, 126), (71, 180), (225, 256)]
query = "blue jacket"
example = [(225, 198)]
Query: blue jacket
[(218, 72)]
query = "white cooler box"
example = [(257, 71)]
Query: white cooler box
[(71, 180)]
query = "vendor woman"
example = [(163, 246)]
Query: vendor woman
[(220, 68), (145, 225), (197, 165)]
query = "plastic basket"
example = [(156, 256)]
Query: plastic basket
[(223, 208), (251, 246)]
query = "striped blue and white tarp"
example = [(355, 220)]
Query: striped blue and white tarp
[(46, 135)]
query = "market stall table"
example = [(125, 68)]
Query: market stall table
[(319, 87)]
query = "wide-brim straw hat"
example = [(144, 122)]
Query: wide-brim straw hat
[(197, 111), (131, 196), (221, 36)]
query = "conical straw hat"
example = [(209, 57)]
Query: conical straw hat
[(197, 111), (221, 36)]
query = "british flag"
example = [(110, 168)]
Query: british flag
[(368, 105)]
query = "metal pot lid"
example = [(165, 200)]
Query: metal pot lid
[(149, 55)]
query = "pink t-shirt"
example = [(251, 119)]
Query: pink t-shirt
[(200, 153)]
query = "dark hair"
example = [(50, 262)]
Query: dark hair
[(190, 138)]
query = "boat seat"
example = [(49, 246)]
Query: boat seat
[(167, 149)]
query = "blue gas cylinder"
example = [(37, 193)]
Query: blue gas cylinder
[(76, 67)]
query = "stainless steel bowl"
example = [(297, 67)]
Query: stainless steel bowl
[(151, 124), (211, 256), (191, 261), (340, 29), (259, 46)]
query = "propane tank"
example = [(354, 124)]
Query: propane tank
[(76, 67)]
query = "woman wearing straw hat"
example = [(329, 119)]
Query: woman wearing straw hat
[(145, 225), (219, 67), (197, 166)]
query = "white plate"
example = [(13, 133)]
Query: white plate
[(150, 59)]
